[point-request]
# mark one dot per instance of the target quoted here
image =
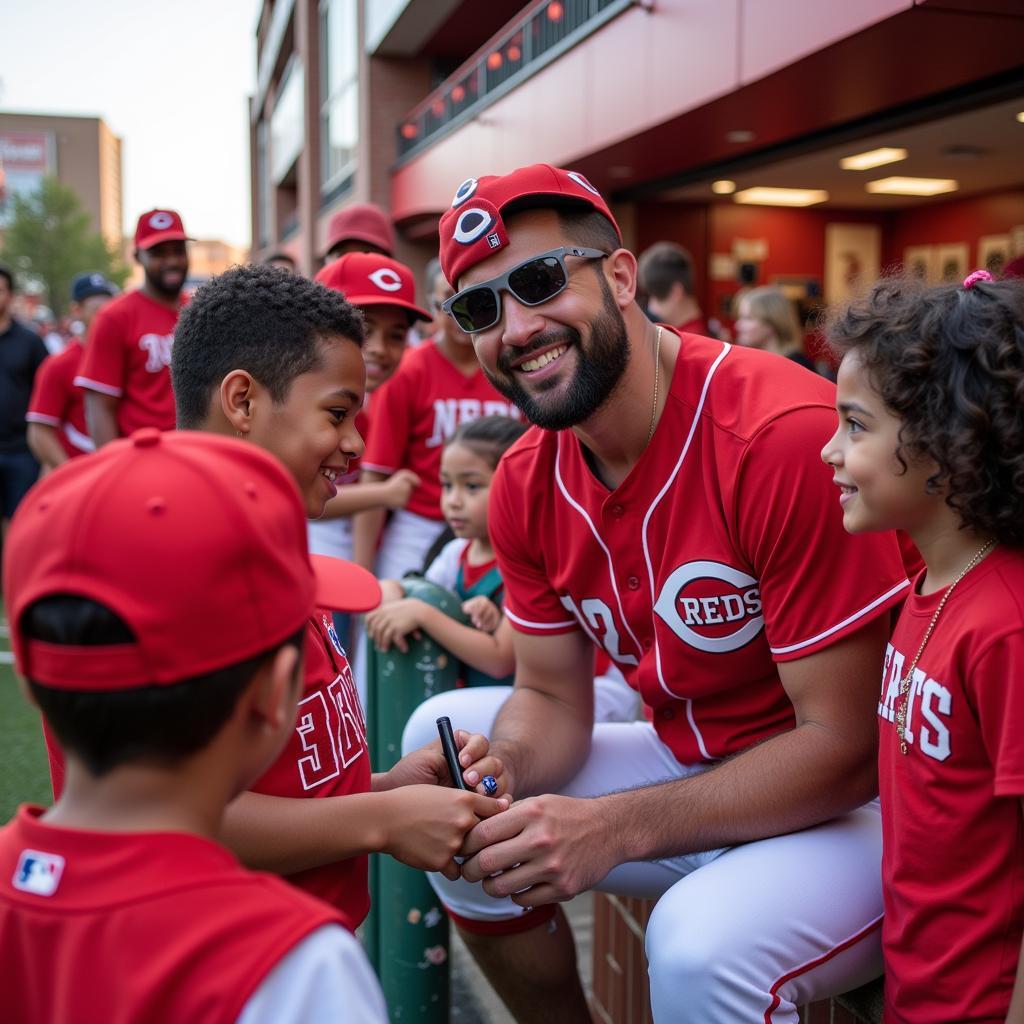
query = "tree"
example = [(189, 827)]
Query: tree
[(48, 241)]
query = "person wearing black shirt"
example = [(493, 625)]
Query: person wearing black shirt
[(21, 352)]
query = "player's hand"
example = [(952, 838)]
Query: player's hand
[(483, 613), (388, 625), (426, 826), (547, 848), (398, 488)]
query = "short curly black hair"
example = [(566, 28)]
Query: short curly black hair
[(949, 362), (261, 319)]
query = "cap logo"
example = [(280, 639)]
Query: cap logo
[(38, 873), (386, 279), (97, 280), (583, 183), (464, 191), (494, 241), (161, 220), (472, 225)]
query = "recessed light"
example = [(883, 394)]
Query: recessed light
[(620, 171), (1020, 117), (740, 135), (763, 196), (723, 187), (912, 186), (872, 158)]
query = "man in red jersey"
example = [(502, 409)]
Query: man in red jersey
[(169, 691), (57, 430), (673, 512), (125, 370)]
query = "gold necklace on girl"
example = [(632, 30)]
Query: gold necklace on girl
[(903, 699)]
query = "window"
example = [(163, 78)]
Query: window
[(287, 135), (339, 89)]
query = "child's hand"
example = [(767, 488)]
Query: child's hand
[(427, 765), (483, 613), (388, 625), (398, 488), (425, 826), (390, 590)]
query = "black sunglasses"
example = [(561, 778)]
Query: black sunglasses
[(531, 282)]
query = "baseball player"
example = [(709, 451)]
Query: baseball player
[(119, 903), (438, 386), (671, 510), (56, 412), (125, 369)]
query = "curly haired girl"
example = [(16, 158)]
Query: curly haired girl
[(931, 441)]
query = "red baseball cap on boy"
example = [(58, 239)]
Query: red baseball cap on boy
[(361, 222), (196, 541), (156, 226), (473, 228), (369, 279)]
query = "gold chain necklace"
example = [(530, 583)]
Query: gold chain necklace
[(657, 370), (903, 698)]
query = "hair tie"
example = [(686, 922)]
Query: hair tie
[(978, 275)]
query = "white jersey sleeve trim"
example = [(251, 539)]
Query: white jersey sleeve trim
[(325, 979), (860, 613), (527, 624), (373, 467), (83, 442), (39, 417), (95, 385)]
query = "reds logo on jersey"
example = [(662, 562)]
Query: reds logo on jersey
[(930, 706), (711, 606)]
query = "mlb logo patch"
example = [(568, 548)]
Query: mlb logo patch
[(333, 634), (38, 873), (493, 240)]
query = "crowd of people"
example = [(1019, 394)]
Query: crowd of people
[(824, 779)]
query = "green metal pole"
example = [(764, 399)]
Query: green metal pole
[(406, 934)]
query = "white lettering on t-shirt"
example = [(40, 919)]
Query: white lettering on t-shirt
[(450, 412), (936, 701), (158, 350)]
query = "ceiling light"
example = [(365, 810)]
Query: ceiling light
[(1020, 117), (762, 196), (872, 158), (912, 186), (740, 135), (723, 187)]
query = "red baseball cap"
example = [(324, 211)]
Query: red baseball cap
[(361, 222), (156, 226), (369, 279), (197, 541), (473, 229)]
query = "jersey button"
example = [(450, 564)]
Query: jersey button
[(648, 643), (617, 511), (633, 583), (666, 714)]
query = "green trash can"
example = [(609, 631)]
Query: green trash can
[(406, 935)]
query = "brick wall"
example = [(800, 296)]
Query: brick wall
[(620, 970)]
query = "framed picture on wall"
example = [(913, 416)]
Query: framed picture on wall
[(853, 257), (994, 252), (922, 262), (953, 260)]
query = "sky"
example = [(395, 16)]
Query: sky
[(170, 78)]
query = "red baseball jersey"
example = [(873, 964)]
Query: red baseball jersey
[(57, 402), (327, 756), (118, 927), (722, 553), (129, 357), (417, 410), (953, 838)]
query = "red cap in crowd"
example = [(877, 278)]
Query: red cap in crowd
[(473, 228), (196, 541), (369, 279), (361, 222), (156, 226)]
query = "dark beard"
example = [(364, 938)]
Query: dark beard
[(168, 291), (599, 368)]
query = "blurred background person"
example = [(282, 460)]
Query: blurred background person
[(666, 275), (768, 320), (361, 227)]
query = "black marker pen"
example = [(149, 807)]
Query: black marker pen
[(451, 753)]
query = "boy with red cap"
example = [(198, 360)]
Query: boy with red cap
[(438, 386), (57, 430), (361, 227), (275, 359), (125, 372), (169, 692), (669, 508)]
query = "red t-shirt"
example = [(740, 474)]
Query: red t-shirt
[(953, 838), (129, 357), (327, 755), (417, 410), (698, 325), (122, 927), (58, 403), (722, 553)]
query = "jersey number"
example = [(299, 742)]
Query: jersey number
[(599, 624), (331, 730)]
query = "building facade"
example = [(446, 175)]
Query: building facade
[(81, 152)]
